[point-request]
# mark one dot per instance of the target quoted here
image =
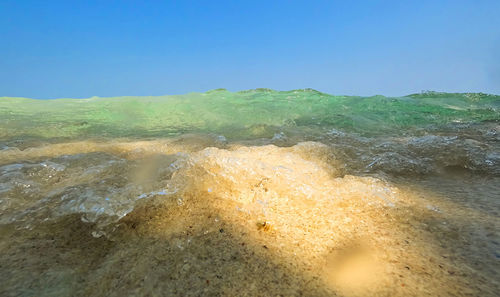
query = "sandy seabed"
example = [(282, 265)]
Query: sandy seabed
[(191, 218)]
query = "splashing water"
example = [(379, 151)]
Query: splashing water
[(260, 192)]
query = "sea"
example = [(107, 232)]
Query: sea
[(251, 193)]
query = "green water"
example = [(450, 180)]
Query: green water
[(253, 193), (240, 115)]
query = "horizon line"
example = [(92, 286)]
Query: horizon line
[(423, 92)]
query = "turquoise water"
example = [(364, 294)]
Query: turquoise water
[(242, 115), (257, 193)]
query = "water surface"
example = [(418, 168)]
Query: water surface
[(251, 193)]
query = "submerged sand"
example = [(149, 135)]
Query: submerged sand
[(197, 216)]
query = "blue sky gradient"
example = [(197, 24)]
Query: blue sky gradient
[(79, 49)]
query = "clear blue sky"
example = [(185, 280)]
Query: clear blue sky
[(52, 49)]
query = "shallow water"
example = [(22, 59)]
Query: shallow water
[(251, 193)]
